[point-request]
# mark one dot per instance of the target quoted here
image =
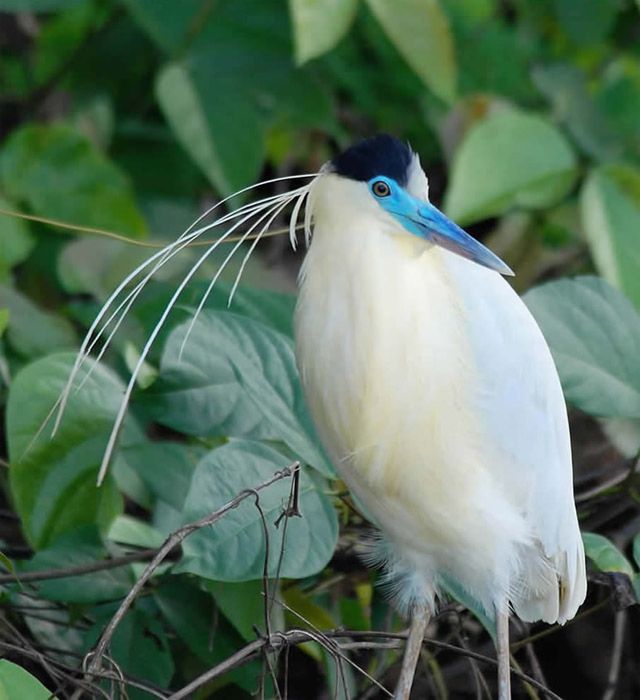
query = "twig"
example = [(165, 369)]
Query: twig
[(297, 636), (556, 628), (170, 543), (619, 625), (334, 649), (528, 688), (50, 574)]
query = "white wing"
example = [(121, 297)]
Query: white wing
[(521, 402)]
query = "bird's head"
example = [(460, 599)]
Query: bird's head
[(382, 178)]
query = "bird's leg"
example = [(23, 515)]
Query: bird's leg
[(504, 671), (419, 621)]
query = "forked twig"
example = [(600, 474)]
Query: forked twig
[(170, 543)]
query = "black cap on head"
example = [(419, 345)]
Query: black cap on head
[(379, 155)]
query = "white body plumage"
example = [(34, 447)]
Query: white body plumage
[(437, 398)]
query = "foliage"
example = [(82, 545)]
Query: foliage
[(128, 117)]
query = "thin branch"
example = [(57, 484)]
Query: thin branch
[(50, 574), (297, 636), (171, 543), (619, 623), (514, 646)]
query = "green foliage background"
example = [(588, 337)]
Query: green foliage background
[(131, 117)]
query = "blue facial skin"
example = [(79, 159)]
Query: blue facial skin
[(426, 221)]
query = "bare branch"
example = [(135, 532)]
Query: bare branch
[(171, 543), (297, 636), (68, 572)]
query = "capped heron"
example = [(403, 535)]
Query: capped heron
[(435, 394), (430, 384)]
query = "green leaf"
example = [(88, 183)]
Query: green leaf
[(37, 5), (31, 331), (53, 480), (167, 23), (166, 468), (590, 21), (7, 563), (605, 555), (236, 377), (227, 144), (566, 88), (191, 613), (312, 612), (618, 97), (636, 549), (479, 70), (96, 265), (610, 209), (59, 39), (318, 25), (128, 530), (79, 548), (16, 683), (509, 159), (140, 648), (16, 241), (242, 603), (234, 548), (594, 335), (4, 320), (62, 176), (471, 11), (420, 31)]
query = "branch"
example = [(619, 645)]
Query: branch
[(294, 637), (79, 570), (170, 543)]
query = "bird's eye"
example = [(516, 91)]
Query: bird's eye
[(381, 189)]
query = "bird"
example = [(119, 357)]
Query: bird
[(436, 396), (429, 382)]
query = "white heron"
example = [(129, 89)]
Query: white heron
[(431, 386), (436, 396)]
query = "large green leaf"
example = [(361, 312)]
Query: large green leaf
[(318, 25), (226, 143), (594, 335), (15, 240), (61, 175), (509, 159), (236, 377), (217, 99), (420, 31), (53, 480), (234, 548), (33, 332), (610, 208), (16, 683)]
